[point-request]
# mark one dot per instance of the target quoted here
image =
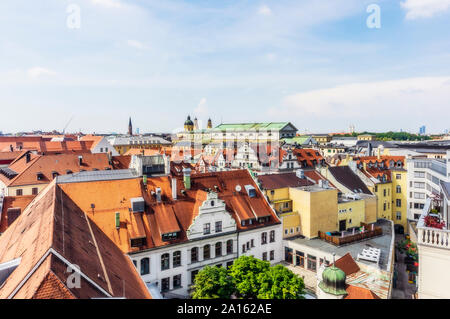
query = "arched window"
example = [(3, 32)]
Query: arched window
[(165, 261), (206, 252), (145, 266), (218, 249), (177, 259), (194, 254), (230, 246)]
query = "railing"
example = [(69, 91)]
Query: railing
[(430, 236), (339, 241)]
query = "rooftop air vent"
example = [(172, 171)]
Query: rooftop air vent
[(137, 204)]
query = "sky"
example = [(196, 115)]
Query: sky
[(92, 64)]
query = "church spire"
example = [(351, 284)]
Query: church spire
[(130, 127)]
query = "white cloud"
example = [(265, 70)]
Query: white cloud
[(108, 3), (136, 44), (202, 109), (38, 71), (373, 101), (264, 10), (424, 8)]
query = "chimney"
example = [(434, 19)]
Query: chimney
[(174, 188), (80, 160), (378, 153), (187, 178)]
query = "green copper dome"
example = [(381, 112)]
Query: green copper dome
[(333, 281), (188, 121)]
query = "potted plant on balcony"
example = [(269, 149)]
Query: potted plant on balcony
[(434, 222)]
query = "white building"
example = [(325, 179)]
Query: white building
[(424, 178)]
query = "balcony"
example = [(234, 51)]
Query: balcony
[(349, 237), (431, 228)]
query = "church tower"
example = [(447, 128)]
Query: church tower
[(195, 124), (209, 123), (130, 128)]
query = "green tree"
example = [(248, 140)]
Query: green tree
[(245, 271), (213, 283), (280, 283)]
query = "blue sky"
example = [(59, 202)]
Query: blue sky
[(314, 63)]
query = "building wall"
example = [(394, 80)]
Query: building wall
[(383, 193), (353, 212), (317, 210), (370, 203), (26, 190), (157, 274), (433, 279), (403, 183)]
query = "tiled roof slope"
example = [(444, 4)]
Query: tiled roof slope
[(275, 181), (20, 202), (47, 164), (53, 233), (345, 176), (109, 197)]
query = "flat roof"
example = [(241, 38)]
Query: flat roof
[(94, 176), (382, 242)]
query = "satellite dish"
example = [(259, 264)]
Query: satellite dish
[(238, 188)]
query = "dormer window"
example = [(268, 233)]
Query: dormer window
[(54, 174), (39, 176)]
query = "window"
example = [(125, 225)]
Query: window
[(384, 192), (177, 259), (399, 216), (206, 252), (398, 176), (252, 243), (272, 255), (272, 236), (193, 274), (311, 263), (230, 246), (218, 249), (176, 281), (145, 266), (263, 238), (135, 263), (376, 188), (243, 248), (264, 256), (165, 261), (19, 192), (165, 284), (248, 245), (398, 202), (34, 191), (384, 206), (288, 255), (219, 227), (194, 255), (286, 231), (206, 229), (398, 189)]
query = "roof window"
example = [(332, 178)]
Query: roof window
[(7, 268)]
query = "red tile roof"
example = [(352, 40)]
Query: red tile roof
[(52, 234), (170, 215), (13, 202), (347, 264), (355, 292), (48, 164), (307, 157)]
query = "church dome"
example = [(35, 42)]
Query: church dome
[(188, 121), (333, 281)]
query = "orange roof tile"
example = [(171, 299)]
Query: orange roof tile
[(52, 234)]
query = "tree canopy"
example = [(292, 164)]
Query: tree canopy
[(213, 283), (248, 278)]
